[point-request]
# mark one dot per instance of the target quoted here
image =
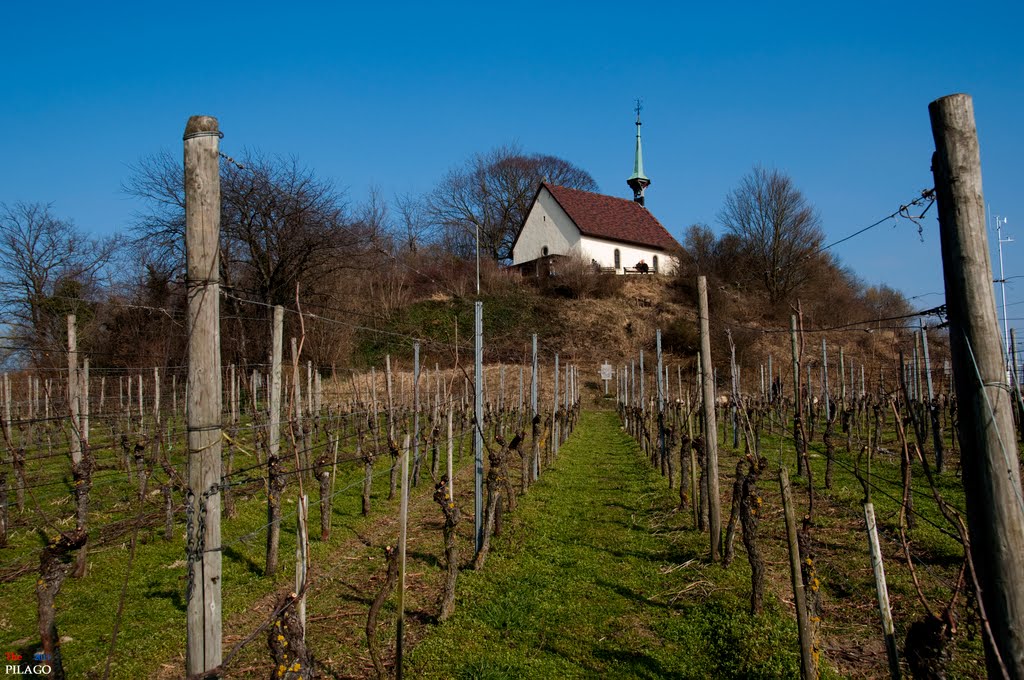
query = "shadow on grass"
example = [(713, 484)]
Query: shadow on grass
[(637, 664), (173, 595), (630, 594), (244, 560), (427, 558)]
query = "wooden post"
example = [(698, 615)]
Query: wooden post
[(882, 591), (1014, 378), (202, 247), (554, 414), (534, 396), (662, 458), (84, 398), (274, 440), (734, 394), (302, 558), (933, 409), (403, 521), (808, 667), (416, 413), (301, 452), (991, 473), (478, 426), (451, 447), (798, 442), (81, 467), (710, 424), (74, 404), (156, 397)]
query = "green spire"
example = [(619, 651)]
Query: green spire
[(638, 181), (638, 159)]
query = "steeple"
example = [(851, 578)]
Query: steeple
[(638, 180)]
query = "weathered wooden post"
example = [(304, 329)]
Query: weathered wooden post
[(933, 408), (808, 664), (81, 461), (478, 425), (302, 559), (554, 414), (74, 405), (416, 413), (798, 430), (275, 484), (535, 430), (882, 591), (202, 247), (662, 458), (710, 425), (402, 529), (991, 473)]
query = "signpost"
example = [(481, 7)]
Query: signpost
[(607, 372)]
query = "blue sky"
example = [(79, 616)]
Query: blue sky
[(395, 94)]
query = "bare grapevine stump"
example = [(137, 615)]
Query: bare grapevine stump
[(287, 643), (390, 580), (323, 475), (451, 550), (750, 516), (54, 565)]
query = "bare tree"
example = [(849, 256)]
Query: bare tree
[(778, 228), (699, 247), (492, 193), (280, 222), (281, 226), (414, 229), (49, 268), (884, 302)]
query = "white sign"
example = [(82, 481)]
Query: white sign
[(607, 372)]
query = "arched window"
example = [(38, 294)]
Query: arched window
[(655, 264), (618, 259), (544, 251)]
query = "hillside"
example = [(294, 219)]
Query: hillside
[(616, 322)]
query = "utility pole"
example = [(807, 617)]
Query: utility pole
[(1000, 222), (991, 474)]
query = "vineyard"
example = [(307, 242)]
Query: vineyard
[(813, 505)]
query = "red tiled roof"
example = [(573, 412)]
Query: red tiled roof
[(615, 219)]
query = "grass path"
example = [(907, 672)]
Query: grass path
[(597, 578)]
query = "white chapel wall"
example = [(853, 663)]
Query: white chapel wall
[(604, 252), (546, 225)]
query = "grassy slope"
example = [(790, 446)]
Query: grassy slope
[(593, 580), (152, 627)]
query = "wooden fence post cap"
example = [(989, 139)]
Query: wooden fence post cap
[(197, 125), (950, 99)]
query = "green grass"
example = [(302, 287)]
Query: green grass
[(152, 627), (594, 578), (842, 560)]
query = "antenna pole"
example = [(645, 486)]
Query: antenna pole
[(1000, 221)]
